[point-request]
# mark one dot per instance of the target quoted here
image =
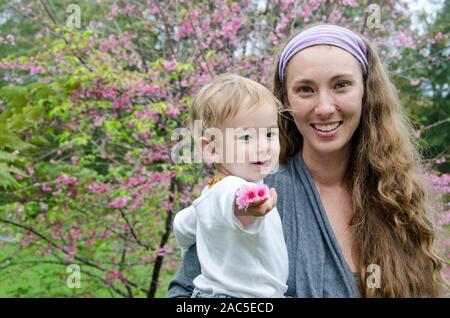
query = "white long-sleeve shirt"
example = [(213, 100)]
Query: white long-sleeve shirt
[(237, 261)]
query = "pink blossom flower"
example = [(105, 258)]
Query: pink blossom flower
[(48, 250), (350, 3), (56, 233), (98, 121), (135, 180), (418, 133), (405, 39), (439, 36), (30, 171), (128, 9), (172, 112), (425, 52), (104, 47), (284, 4), (46, 188), (66, 179), (154, 10), (75, 233), (152, 7), (162, 251), (170, 66), (72, 191), (75, 161), (10, 38), (106, 233), (113, 13), (114, 275), (443, 218), (97, 188), (36, 69), (120, 202), (248, 194), (56, 193), (235, 7), (143, 88), (415, 82), (168, 206), (144, 135)]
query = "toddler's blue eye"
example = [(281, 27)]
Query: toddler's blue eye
[(244, 137)]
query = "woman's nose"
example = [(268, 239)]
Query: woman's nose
[(325, 105)]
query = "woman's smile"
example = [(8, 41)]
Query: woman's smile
[(327, 129)]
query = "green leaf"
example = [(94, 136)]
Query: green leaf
[(62, 137), (17, 123), (13, 142), (35, 114), (16, 96), (6, 156), (81, 140), (7, 180)]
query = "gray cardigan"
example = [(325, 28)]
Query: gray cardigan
[(317, 267)]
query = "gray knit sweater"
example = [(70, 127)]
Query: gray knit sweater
[(317, 267)]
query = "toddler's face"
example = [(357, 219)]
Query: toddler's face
[(250, 146)]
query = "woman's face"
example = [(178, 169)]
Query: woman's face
[(324, 92)]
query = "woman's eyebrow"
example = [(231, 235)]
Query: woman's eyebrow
[(304, 81), (335, 77)]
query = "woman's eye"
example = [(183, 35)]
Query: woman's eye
[(342, 84), (305, 90), (271, 135)]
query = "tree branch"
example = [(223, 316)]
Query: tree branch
[(174, 186)]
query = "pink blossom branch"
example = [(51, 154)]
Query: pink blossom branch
[(58, 247), (133, 233)]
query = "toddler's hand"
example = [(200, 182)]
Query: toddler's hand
[(263, 206), (258, 207)]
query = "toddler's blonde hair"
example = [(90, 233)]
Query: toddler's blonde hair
[(224, 96)]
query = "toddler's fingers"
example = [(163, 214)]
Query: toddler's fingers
[(259, 202)]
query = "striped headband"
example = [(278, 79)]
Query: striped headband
[(324, 34)]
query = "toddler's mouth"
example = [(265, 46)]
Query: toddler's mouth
[(261, 163)]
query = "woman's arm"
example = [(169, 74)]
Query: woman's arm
[(185, 226), (181, 286)]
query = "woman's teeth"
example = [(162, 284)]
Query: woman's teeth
[(328, 127)]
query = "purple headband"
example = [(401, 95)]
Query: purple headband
[(324, 34)]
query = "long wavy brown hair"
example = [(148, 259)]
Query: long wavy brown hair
[(388, 193)]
